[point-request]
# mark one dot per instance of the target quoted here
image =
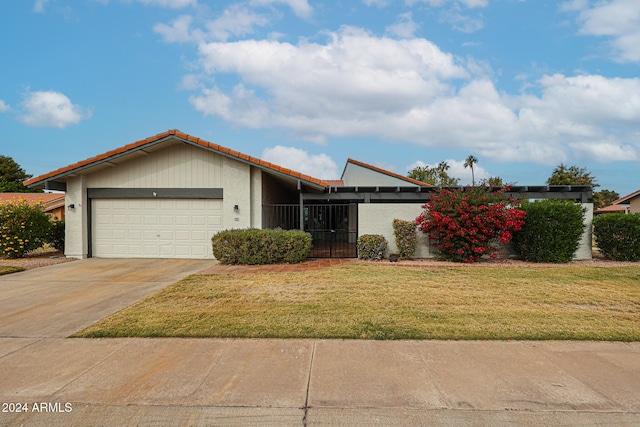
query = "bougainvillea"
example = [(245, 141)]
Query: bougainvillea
[(470, 223), (23, 228)]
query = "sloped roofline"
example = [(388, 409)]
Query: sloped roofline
[(626, 198), (383, 171), (174, 133)]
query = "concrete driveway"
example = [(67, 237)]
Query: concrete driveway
[(59, 300)]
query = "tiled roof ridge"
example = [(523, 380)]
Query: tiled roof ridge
[(628, 196), (386, 172), (174, 132)]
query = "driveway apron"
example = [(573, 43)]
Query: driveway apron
[(59, 300)]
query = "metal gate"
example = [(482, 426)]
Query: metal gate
[(333, 228)]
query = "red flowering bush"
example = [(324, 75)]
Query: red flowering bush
[(466, 224)]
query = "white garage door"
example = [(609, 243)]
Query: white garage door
[(152, 228)]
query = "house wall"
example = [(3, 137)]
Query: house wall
[(377, 218), (236, 182), (585, 250), (173, 166), (356, 175), (634, 205), (76, 219)]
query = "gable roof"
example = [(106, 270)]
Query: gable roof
[(627, 198), (49, 201), (385, 172), (175, 134)]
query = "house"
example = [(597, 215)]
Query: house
[(52, 203), (166, 196), (627, 204)]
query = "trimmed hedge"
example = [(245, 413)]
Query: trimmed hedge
[(56, 235), (255, 246), (406, 237), (371, 246), (618, 236), (551, 232)]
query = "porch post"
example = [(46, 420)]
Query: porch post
[(301, 214)]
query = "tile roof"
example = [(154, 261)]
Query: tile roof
[(50, 201), (58, 173), (335, 182), (386, 172), (612, 209), (626, 198)]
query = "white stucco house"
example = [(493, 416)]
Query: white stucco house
[(166, 196)]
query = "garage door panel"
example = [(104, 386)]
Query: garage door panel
[(152, 228)]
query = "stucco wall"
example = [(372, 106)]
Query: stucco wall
[(356, 175), (374, 218), (377, 218), (584, 250), (236, 182), (76, 239), (634, 205)]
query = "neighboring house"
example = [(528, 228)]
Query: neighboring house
[(627, 204), (167, 195), (52, 203)]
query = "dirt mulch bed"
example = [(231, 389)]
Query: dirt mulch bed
[(596, 261), (37, 259)]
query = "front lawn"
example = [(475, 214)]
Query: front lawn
[(382, 302), (6, 269)]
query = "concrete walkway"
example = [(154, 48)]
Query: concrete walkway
[(204, 382)]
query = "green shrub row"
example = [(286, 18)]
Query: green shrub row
[(551, 232), (371, 246), (254, 246), (618, 236), (23, 228), (406, 237)]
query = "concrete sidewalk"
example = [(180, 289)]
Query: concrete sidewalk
[(205, 382), (49, 380)]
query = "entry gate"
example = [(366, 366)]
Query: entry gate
[(333, 228)]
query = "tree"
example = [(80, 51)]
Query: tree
[(571, 175), (468, 163), (434, 175), (12, 176), (604, 198), (494, 181)]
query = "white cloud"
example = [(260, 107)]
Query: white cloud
[(171, 4), (51, 109), (38, 6), (4, 107), (378, 3), (440, 3), (300, 7), (234, 21), (462, 22), (618, 20), (405, 26), (358, 85), (315, 165)]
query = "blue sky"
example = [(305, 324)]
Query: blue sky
[(521, 84)]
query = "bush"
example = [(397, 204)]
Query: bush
[(618, 236), (406, 238), (23, 228), (466, 224), (254, 246), (551, 232), (56, 235), (371, 246)]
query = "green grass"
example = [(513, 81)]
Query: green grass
[(9, 269), (382, 302)]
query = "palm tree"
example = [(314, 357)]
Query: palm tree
[(471, 160)]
